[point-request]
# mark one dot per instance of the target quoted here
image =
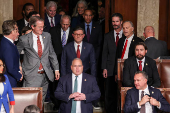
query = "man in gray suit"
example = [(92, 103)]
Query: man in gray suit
[(156, 48), (38, 55)]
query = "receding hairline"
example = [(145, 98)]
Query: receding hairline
[(151, 29), (78, 59)]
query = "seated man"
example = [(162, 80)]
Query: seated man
[(143, 98), (140, 62), (77, 90)]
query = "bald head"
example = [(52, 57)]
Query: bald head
[(149, 32)]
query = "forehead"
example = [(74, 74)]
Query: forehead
[(65, 20), (77, 62), (138, 76), (139, 47), (1, 62), (80, 5), (127, 24), (78, 32), (40, 23), (29, 7), (89, 12), (52, 8), (115, 18)]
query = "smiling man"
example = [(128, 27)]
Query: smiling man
[(140, 62)]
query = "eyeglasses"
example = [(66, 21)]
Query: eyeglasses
[(78, 34), (40, 27)]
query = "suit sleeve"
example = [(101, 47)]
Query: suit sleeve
[(20, 44), (10, 93), (92, 61), (63, 62), (95, 94), (104, 54), (52, 56), (156, 78), (127, 82)]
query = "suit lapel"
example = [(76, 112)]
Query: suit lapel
[(145, 68), (135, 64), (73, 50), (5, 87), (151, 94), (92, 32), (84, 80), (137, 95), (132, 45), (83, 50), (70, 84)]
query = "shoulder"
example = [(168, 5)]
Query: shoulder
[(89, 77), (46, 34), (57, 16), (111, 33), (132, 91), (19, 21), (149, 59), (154, 89), (70, 44), (64, 78), (130, 59), (87, 44), (138, 39)]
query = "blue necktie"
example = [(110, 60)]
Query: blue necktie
[(73, 109), (64, 39)]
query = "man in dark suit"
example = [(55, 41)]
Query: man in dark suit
[(51, 18), (61, 35), (125, 48), (77, 90), (143, 98), (78, 49), (140, 62), (109, 62), (9, 53), (27, 8), (156, 48), (102, 18)]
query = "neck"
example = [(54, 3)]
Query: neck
[(8, 36), (118, 30)]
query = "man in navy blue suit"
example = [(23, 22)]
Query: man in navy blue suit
[(9, 53), (77, 90), (80, 49), (143, 98), (51, 18)]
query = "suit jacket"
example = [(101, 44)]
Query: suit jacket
[(77, 20), (56, 40), (132, 97), (21, 25), (156, 48), (87, 56), (120, 46), (47, 24), (4, 99), (89, 88), (95, 37), (131, 66), (9, 54), (32, 61)]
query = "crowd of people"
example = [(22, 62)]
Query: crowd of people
[(75, 61)]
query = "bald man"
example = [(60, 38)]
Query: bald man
[(156, 48)]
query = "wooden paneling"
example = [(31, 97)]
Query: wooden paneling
[(18, 4), (107, 15)]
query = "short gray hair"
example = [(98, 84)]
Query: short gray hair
[(65, 16), (8, 26), (51, 4), (144, 74), (129, 22), (34, 19)]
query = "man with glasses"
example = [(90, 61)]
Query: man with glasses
[(78, 49), (39, 54), (9, 53)]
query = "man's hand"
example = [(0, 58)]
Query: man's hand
[(73, 95), (154, 102), (57, 75), (144, 100), (80, 97), (105, 73), (21, 78), (20, 67)]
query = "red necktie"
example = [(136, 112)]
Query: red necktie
[(78, 51), (52, 25), (124, 49), (39, 51), (117, 38), (142, 109), (140, 65)]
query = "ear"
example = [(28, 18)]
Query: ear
[(146, 51), (144, 35)]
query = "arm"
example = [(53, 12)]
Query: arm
[(98, 51), (127, 82), (92, 61), (63, 62), (10, 92)]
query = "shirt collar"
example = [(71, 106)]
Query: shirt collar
[(120, 32), (146, 90), (143, 60), (90, 24), (148, 37), (66, 30), (75, 44), (26, 22), (130, 38), (73, 75), (9, 39)]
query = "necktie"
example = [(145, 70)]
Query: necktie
[(117, 38), (39, 51), (140, 65), (64, 39), (52, 24), (73, 108), (142, 109), (78, 51), (88, 33), (124, 49), (28, 24)]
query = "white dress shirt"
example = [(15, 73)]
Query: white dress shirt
[(9, 40), (26, 23), (120, 34), (127, 47), (49, 19), (1, 92), (149, 37), (79, 85), (80, 47), (143, 61), (66, 32)]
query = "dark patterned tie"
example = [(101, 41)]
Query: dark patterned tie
[(142, 109), (39, 51), (117, 38), (52, 24), (64, 39), (88, 33)]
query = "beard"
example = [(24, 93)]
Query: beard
[(116, 26), (140, 57)]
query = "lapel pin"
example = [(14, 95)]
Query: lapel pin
[(84, 47), (84, 79), (93, 27), (4, 83), (133, 40), (44, 37), (146, 64), (152, 92)]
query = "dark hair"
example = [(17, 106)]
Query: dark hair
[(90, 9), (141, 43), (25, 5), (144, 74), (8, 26), (78, 28), (32, 13), (118, 15), (32, 109), (25, 29), (2, 77)]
